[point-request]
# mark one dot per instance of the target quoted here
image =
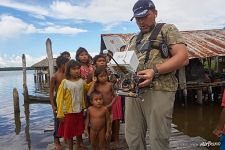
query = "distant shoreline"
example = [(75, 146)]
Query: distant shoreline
[(15, 68)]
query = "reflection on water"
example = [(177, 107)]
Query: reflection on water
[(17, 130), (17, 122), (197, 120), (27, 128)]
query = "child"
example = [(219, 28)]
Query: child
[(70, 104), (65, 54), (100, 83), (116, 110), (100, 61), (56, 79), (83, 57), (220, 129), (98, 120)]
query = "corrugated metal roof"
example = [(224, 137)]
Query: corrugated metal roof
[(201, 43), (43, 63)]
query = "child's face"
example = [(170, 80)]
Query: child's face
[(83, 57), (101, 62), (103, 77), (97, 100), (75, 72)]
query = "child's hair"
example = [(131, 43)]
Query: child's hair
[(97, 57), (65, 53), (60, 60), (100, 70), (93, 94), (81, 50), (72, 63)]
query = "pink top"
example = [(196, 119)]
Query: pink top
[(223, 105), (85, 71)]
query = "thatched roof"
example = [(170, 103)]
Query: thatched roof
[(43, 63)]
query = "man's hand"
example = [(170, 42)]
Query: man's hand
[(147, 75)]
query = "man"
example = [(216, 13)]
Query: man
[(158, 85)]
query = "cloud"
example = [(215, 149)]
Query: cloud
[(62, 30), (110, 26), (24, 7), (192, 15), (16, 61), (100, 11), (11, 26), (186, 14)]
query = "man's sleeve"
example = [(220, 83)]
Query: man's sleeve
[(172, 35)]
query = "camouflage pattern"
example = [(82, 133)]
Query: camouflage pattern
[(171, 35)]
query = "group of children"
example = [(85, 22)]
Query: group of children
[(84, 101)]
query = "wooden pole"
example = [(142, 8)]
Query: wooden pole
[(25, 90), (199, 96), (50, 57), (16, 101), (182, 83), (16, 111)]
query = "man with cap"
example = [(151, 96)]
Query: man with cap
[(159, 84)]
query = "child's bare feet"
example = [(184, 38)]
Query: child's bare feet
[(115, 145), (58, 146), (81, 147)]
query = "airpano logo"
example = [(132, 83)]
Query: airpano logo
[(210, 143)]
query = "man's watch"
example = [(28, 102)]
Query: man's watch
[(156, 71)]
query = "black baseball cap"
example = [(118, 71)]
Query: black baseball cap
[(141, 8)]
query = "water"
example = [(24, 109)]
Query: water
[(28, 131)]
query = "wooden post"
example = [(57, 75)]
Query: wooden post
[(16, 111), (50, 57), (182, 83), (217, 63), (25, 90), (199, 96), (16, 101)]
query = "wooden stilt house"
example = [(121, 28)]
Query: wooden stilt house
[(41, 74)]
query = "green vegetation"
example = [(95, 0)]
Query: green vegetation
[(14, 68)]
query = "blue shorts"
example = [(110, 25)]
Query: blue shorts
[(222, 142)]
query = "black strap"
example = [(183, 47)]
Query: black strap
[(152, 38)]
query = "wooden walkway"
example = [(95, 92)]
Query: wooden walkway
[(178, 141)]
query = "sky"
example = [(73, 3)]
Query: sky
[(25, 25)]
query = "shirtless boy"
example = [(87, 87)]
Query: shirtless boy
[(98, 120), (101, 84), (56, 79)]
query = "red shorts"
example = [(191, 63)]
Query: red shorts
[(72, 125)]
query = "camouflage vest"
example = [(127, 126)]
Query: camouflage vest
[(171, 35)]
